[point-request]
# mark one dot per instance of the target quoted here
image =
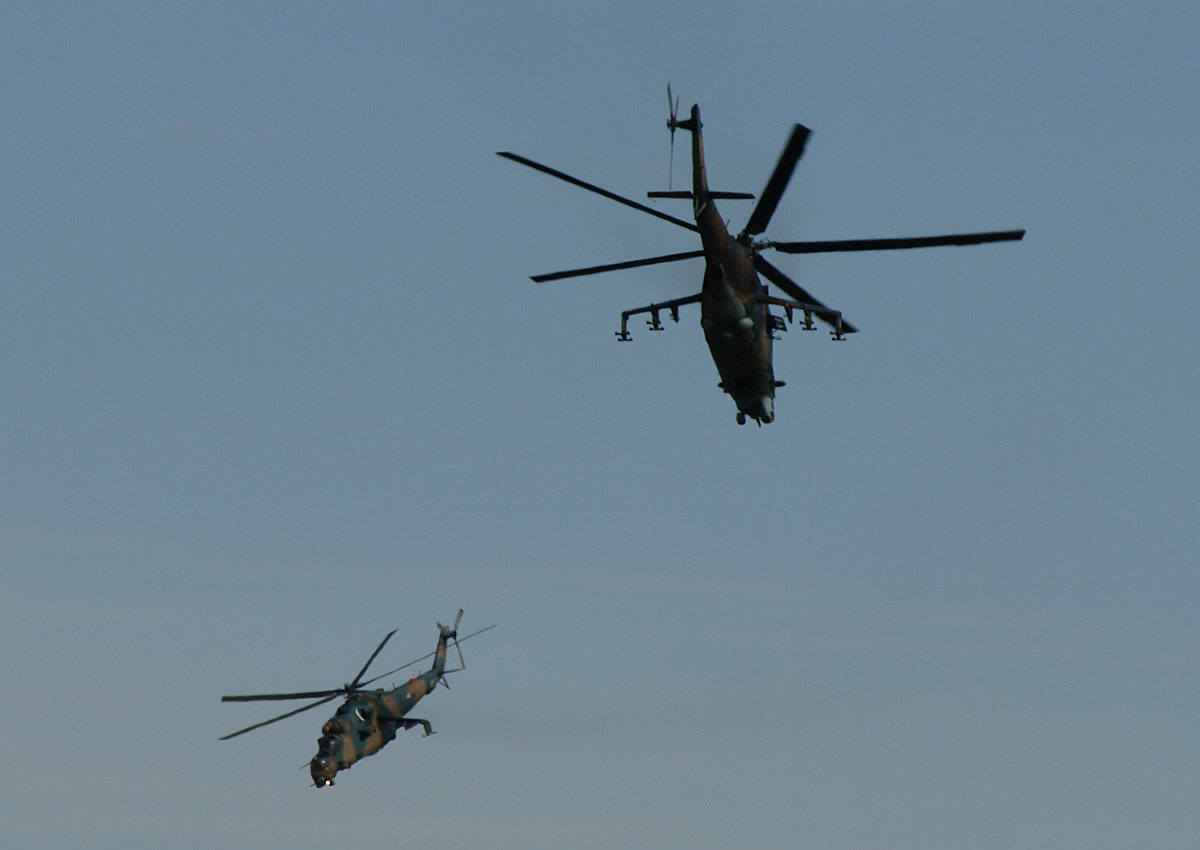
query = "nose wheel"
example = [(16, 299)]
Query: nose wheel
[(741, 418)]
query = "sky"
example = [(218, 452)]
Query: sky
[(274, 381)]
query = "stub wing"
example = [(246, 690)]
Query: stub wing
[(655, 324), (804, 300)]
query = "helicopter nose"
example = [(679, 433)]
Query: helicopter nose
[(321, 770), (759, 408)]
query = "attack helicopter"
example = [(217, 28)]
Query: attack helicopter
[(368, 719), (735, 306)]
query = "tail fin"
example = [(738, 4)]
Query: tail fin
[(700, 195), (445, 634)]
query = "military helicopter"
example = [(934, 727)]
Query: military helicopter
[(368, 719), (735, 313)]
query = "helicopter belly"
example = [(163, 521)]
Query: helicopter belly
[(746, 376), (741, 349), (740, 370)]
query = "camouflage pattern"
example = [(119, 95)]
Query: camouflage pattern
[(737, 323), (735, 307), (369, 717), (368, 720)]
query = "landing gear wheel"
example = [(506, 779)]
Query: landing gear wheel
[(741, 418)]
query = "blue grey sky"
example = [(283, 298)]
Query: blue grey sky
[(274, 381)]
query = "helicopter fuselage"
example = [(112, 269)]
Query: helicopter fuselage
[(737, 329), (365, 723), (368, 718), (735, 307), (737, 324)]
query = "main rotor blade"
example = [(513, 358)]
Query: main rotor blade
[(628, 264), (575, 181), (275, 719), (269, 697), (422, 658), (354, 682), (894, 244), (331, 692), (795, 290), (769, 199)]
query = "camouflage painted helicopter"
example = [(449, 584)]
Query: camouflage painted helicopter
[(368, 719), (734, 305)]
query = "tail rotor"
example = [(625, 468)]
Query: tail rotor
[(451, 633), (672, 123)]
